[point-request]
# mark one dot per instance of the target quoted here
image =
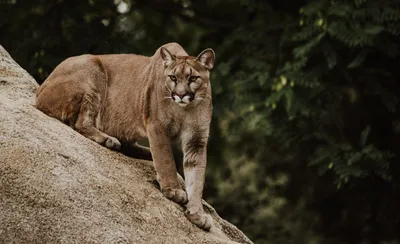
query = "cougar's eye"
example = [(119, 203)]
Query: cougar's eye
[(173, 78), (193, 78)]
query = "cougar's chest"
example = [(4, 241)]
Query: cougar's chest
[(173, 126), (178, 124)]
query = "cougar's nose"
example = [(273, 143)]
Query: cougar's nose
[(181, 95)]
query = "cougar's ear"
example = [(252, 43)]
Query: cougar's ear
[(167, 57), (206, 58)]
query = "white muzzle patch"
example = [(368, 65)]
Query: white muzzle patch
[(182, 101)]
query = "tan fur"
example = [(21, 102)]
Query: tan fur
[(125, 98)]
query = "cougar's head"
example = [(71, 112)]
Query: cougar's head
[(187, 78)]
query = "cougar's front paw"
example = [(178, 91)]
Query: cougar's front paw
[(112, 143), (202, 220), (177, 195)]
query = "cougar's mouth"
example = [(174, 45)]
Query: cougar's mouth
[(182, 100)]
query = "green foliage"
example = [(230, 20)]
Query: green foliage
[(345, 27), (40, 32), (324, 100)]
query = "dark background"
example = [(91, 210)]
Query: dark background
[(305, 142)]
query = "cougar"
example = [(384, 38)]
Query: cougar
[(122, 98)]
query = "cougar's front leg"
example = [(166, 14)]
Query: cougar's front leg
[(161, 149), (194, 166)]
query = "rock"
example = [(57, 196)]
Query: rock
[(57, 186)]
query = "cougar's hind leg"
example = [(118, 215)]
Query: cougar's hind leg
[(90, 108)]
